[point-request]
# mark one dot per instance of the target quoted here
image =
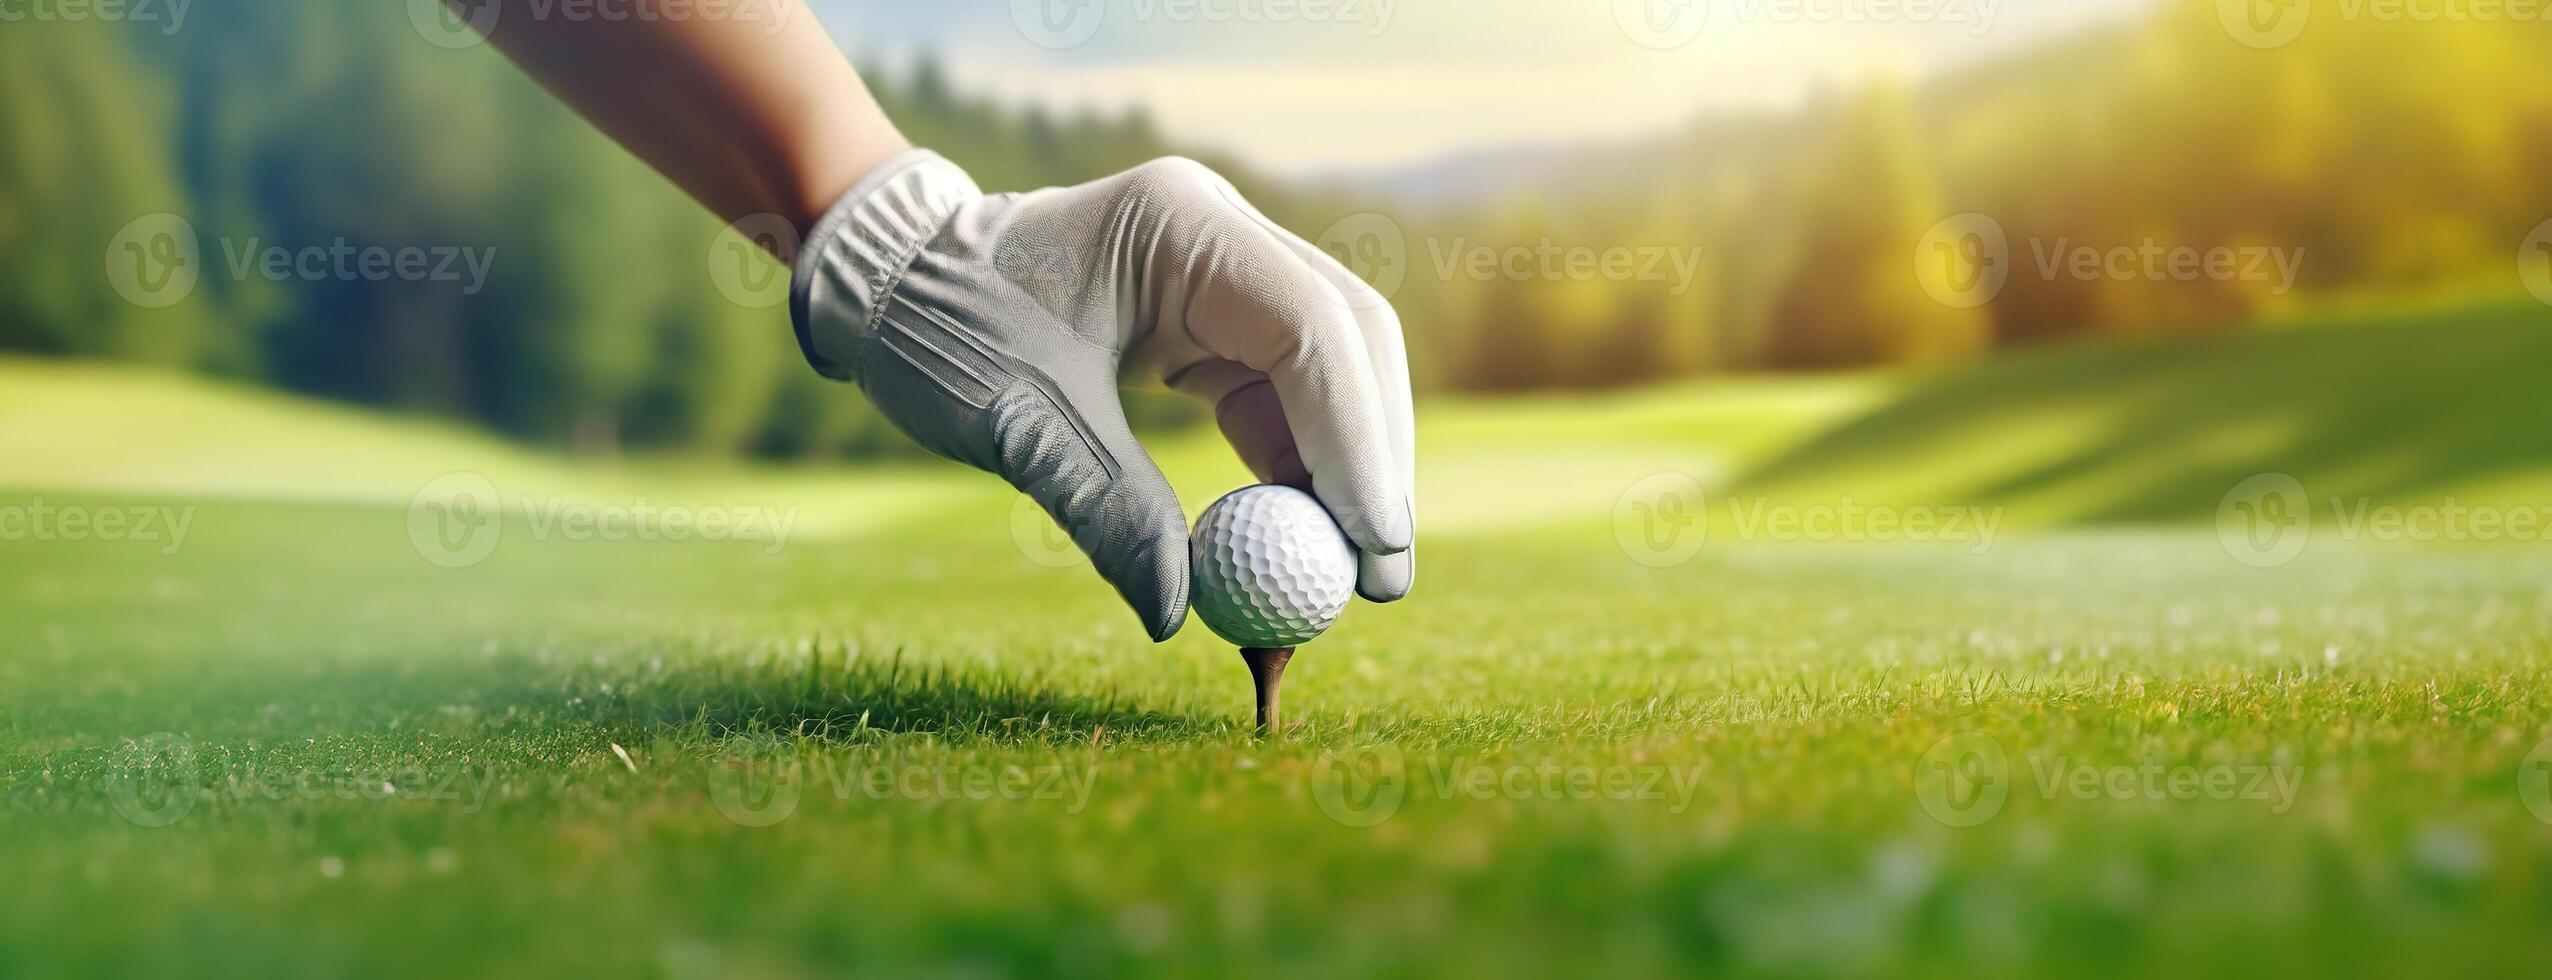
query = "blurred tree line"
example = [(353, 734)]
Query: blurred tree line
[(2399, 157), (305, 123), (2386, 158)]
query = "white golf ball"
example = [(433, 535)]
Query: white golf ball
[(1271, 568)]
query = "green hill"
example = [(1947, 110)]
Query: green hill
[(90, 426), (2399, 407)]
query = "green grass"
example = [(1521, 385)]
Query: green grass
[(2402, 406), (254, 688)]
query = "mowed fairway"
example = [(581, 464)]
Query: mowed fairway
[(295, 745)]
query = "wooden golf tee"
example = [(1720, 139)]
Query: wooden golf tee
[(1267, 668)]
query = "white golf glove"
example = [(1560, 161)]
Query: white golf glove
[(995, 330)]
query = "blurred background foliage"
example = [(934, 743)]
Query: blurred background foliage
[(2400, 158)]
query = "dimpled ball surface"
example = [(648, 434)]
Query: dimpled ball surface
[(1271, 567)]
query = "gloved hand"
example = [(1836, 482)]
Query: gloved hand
[(995, 330)]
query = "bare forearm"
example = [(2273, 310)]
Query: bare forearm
[(755, 115)]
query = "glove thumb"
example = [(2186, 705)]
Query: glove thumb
[(1077, 458)]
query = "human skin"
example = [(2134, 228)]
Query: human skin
[(755, 113)]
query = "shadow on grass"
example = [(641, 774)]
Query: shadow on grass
[(2392, 406), (840, 701), (712, 691)]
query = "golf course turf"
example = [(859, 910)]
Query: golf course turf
[(909, 738)]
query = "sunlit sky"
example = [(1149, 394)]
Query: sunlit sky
[(1323, 86)]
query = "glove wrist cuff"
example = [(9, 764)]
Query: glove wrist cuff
[(858, 250)]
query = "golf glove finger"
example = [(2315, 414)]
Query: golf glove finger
[(995, 329)]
